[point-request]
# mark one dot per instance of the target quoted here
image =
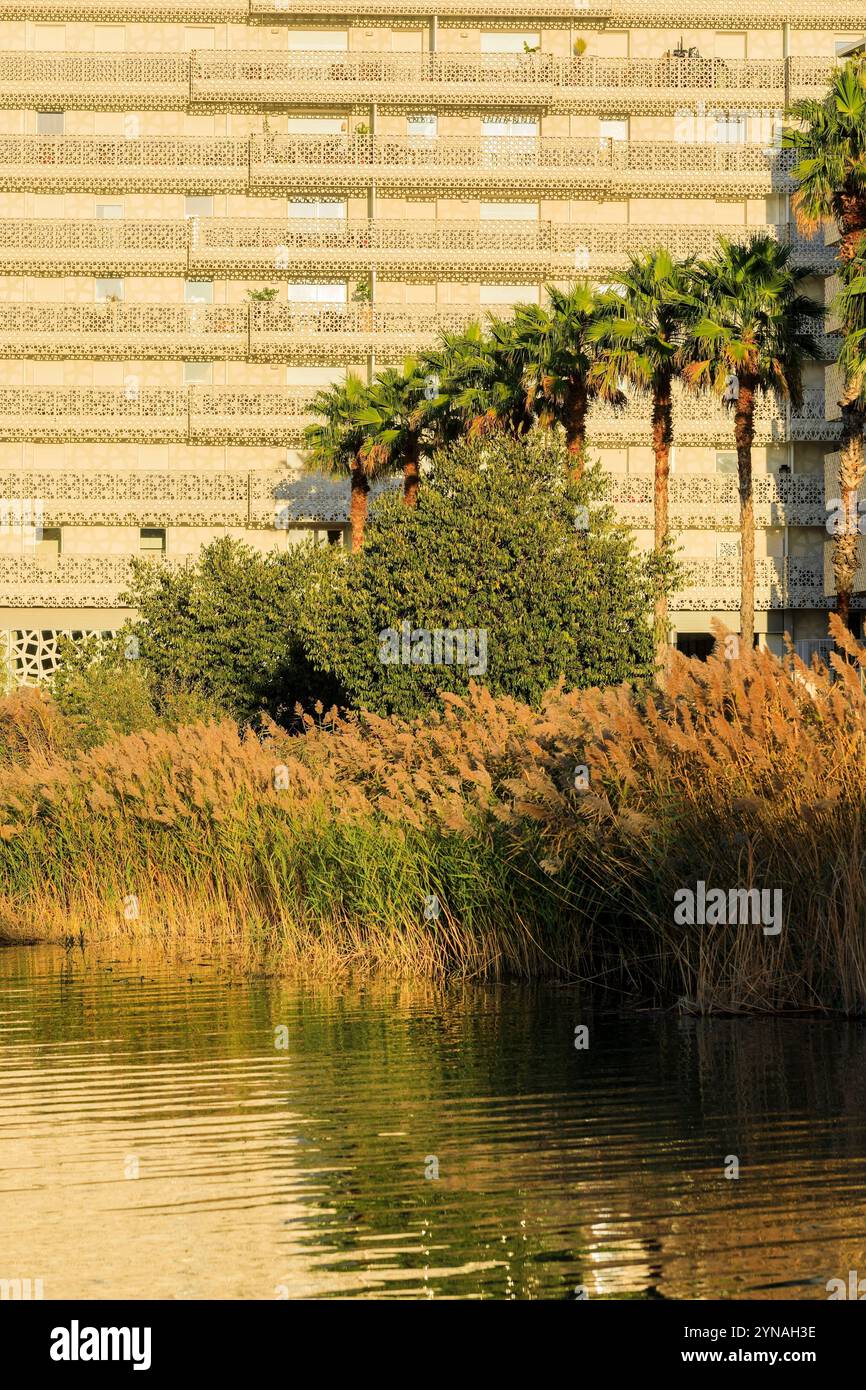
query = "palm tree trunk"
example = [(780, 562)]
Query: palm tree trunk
[(411, 471), (358, 504), (576, 404), (744, 433), (663, 429), (852, 467)]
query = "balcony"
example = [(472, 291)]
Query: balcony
[(842, 15), (252, 81), (714, 586), (69, 583), (710, 502), (239, 332), (192, 415), (293, 250), (273, 165), (703, 420), (277, 416), (560, 164)]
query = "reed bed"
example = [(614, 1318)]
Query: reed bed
[(324, 852)]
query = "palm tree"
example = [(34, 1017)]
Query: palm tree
[(559, 353), (477, 381), (393, 421), (338, 445), (829, 143), (639, 327), (749, 332)]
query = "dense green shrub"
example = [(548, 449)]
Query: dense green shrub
[(500, 542), (227, 627)]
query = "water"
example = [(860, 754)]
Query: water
[(155, 1142)]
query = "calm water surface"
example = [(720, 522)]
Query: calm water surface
[(155, 1142)]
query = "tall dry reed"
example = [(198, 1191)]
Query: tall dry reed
[(328, 850)]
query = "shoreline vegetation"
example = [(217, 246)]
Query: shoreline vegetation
[(487, 840)]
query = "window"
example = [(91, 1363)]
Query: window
[(504, 296), (318, 40), (106, 291), (49, 122), (498, 126), (509, 43), (108, 212), (509, 212), (198, 292), (319, 208), (199, 37), (48, 547), (423, 127), (197, 373), (151, 540), (613, 127), (317, 125), (335, 538), (726, 461), (317, 294), (109, 38), (198, 206), (730, 129), (49, 38)]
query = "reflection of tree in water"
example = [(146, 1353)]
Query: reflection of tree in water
[(558, 1168)]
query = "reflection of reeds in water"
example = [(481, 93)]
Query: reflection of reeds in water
[(327, 847)]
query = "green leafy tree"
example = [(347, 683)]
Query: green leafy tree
[(500, 543), (639, 327), (227, 626), (750, 332)]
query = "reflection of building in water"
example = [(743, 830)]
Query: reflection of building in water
[(388, 168)]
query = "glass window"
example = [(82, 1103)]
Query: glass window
[(509, 43), (49, 122), (726, 461), (318, 40), (324, 208), (197, 373), (730, 129), (48, 546), (151, 540), (108, 290), (526, 126), (198, 206), (108, 212), (509, 212), (317, 294), (198, 292), (613, 127), (422, 127)]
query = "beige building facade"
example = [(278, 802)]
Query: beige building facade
[(387, 168)]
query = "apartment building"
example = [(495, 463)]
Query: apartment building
[(209, 210)]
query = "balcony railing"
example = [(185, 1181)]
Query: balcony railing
[(842, 15), (710, 502), (231, 332), (277, 416), (255, 80), (710, 585), (291, 250), (715, 585), (276, 164), (261, 497)]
